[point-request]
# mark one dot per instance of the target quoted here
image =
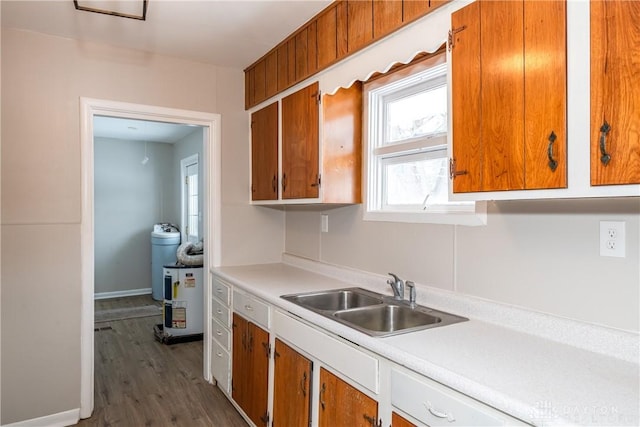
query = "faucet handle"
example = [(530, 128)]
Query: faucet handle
[(396, 279), (412, 291)]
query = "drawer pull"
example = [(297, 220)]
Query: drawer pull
[(218, 332), (248, 307), (449, 417), (219, 290), (219, 354), (219, 311)]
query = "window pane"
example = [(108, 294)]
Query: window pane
[(410, 183), (421, 114)]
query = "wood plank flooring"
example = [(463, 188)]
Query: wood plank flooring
[(141, 382)]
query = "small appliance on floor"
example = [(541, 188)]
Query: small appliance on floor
[(182, 314)]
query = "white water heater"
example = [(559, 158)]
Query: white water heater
[(183, 302)]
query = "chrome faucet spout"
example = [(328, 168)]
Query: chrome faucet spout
[(397, 285)]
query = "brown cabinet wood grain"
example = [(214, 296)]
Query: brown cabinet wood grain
[(300, 173), (271, 71), (292, 387), (509, 95), (301, 59), (282, 53), (400, 421), (387, 17), (264, 153), (414, 9), (615, 92), (342, 145), (260, 82), (343, 405), (359, 24), (332, 34), (250, 369)]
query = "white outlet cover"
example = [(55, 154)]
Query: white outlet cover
[(612, 246)]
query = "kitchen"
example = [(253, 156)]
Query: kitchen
[(540, 255)]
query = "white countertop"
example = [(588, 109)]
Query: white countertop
[(539, 380)]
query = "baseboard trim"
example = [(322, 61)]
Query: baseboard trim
[(61, 419), (127, 293)]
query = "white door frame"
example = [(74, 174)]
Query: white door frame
[(211, 167)]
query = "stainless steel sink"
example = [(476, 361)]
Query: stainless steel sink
[(334, 300), (372, 313)]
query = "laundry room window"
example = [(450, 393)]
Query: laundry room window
[(407, 155), (190, 199)]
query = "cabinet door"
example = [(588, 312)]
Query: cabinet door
[(264, 153), (282, 53), (465, 98), (292, 388), (271, 83), (250, 369), (260, 82), (258, 366), (239, 377), (615, 92), (413, 9), (342, 145), (399, 421), (343, 405), (545, 94), (300, 176), (359, 24), (301, 43), (387, 17)]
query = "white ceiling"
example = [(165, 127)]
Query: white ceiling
[(228, 33), (140, 130)]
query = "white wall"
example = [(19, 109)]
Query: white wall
[(541, 255), (128, 199), (43, 78)]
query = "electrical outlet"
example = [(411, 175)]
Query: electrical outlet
[(612, 239), (324, 223)]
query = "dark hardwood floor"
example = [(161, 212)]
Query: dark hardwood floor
[(141, 382)]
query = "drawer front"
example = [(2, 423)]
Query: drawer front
[(221, 290), (251, 308), (221, 312), (349, 361), (437, 405), (221, 334), (221, 367)]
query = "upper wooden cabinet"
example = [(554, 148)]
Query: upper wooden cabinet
[(341, 29), (615, 92), (335, 179), (264, 153), (508, 61), (300, 174)]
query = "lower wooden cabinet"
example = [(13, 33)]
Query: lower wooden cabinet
[(399, 421), (250, 377), (292, 387), (344, 405)]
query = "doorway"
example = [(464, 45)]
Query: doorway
[(211, 199)]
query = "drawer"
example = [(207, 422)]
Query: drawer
[(221, 334), (437, 405), (220, 312), (340, 356), (251, 308), (221, 367), (221, 290)]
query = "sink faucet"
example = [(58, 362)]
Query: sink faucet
[(397, 284)]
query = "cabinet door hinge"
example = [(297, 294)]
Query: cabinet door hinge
[(265, 418), (452, 33), (267, 349), (452, 169), (375, 422), (318, 96), (318, 181)]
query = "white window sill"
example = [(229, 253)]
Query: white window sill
[(479, 217)]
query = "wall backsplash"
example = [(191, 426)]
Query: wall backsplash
[(541, 254)]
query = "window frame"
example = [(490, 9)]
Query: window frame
[(187, 235), (377, 92)]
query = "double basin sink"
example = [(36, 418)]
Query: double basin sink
[(372, 313)]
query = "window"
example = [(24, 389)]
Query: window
[(190, 201), (407, 162)]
